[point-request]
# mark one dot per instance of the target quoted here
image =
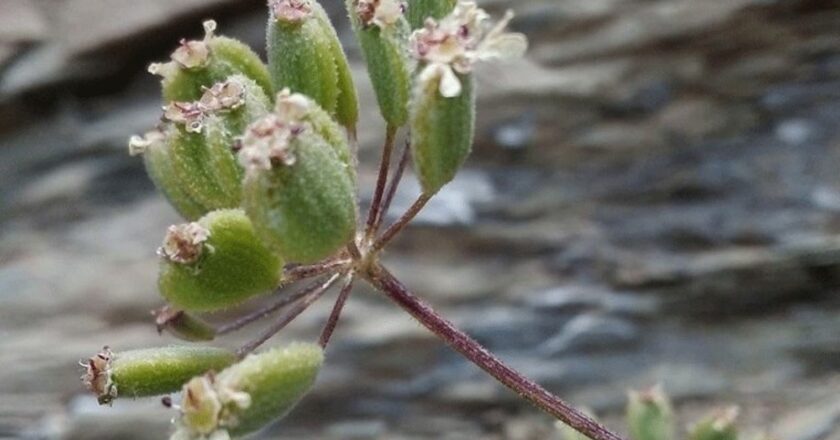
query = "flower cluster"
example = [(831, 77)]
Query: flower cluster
[(380, 13), (458, 41), (266, 142), (184, 243), (290, 11)]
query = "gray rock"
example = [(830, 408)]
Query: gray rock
[(590, 332)]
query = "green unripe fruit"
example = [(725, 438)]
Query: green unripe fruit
[(297, 190), (300, 56), (383, 32), (442, 132), (159, 167), (250, 394), (215, 263), (719, 425), (149, 372), (419, 10), (197, 65), (347, 103), (649, 415)]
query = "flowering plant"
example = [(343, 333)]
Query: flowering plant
[(260, 159)]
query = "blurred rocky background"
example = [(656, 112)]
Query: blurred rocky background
[(654, 197)]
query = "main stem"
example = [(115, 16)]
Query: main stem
[(472, 350)]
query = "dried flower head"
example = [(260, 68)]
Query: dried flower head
[(380, 13), (460, 40), (290, 11), (97, 377), (226, 95), (184, 243), (191, 114), (190, 54), (138, 145), (266, 142)]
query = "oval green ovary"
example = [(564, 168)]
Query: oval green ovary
[(306, 210), (193, 161), (233, 267), (160, 171), (442, 130), (299, 58), (156, 371), (275, 380)]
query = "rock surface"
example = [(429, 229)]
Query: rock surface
[(653, 197)]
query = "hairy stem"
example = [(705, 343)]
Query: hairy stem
[(313, 292), (332, 321), (294, 274), (394, 184), (398, 225), (381, 179), (477, 354)]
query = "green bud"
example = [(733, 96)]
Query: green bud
[(649, 415), (419, 10), (300, 54), (198, 64), (149, 372), (215, 263), (297, 190), (248, 395), (383, 33), (720, 425), (183, 325), (442, 132), (192, 159)]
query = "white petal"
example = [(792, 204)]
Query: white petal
[(450, 86)]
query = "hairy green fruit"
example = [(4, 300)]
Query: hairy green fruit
[(383, 38), (347, 103), (649, 415), (215, 263), (300, 53), (199, 64), (442, 132), (149, 372), (304, 210), (250, 394), (719, 425), (419, 10)]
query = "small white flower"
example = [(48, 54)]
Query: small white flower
[(290, 11), (266, 141), (380, 13), (184, 243), (458, 41)]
